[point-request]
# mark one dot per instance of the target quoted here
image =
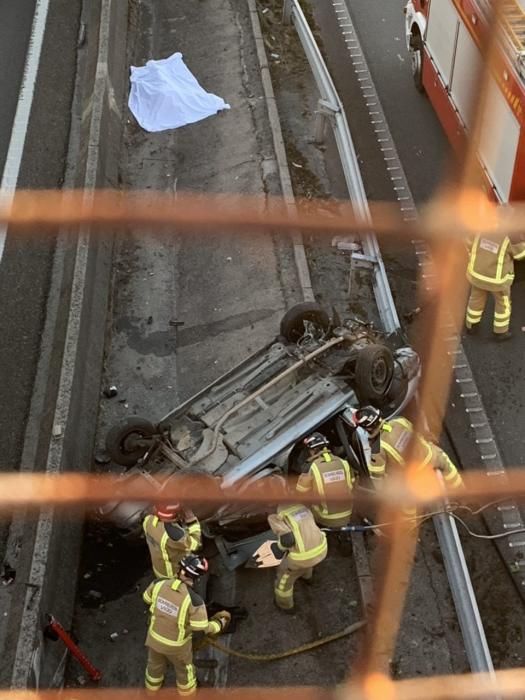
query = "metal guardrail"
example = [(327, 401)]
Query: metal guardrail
[(332, 108), (469, 618)]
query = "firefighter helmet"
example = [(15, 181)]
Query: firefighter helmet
[(167, 512), (193, 565), (368, 417), (315, 440)]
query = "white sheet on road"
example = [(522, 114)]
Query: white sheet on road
[(165, 95)]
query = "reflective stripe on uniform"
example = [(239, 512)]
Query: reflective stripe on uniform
[(404, 422), (501, 319), (281, 586), (474, 314), (392, 452), (318, 479), (452, 476), (192, 681), (426, 444), (194, 531), (498, 279), (333, 516), (322, 508), (311, 553), (473, 317), (165, 554), (376, 469), (151, 682), (455, 480), (288, 513), (182, 637), (303, 554), (169, 573)]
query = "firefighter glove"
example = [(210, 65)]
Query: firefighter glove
[(223, 617), (188, 516), (277, 552)]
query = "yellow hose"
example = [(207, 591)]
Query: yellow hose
[(253, 656)]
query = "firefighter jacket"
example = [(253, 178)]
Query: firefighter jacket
[(176, 611), (169, 542), (491, 262), (395, 438), (328, 476), (299, 535)]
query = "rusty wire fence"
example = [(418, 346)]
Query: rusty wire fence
[(444, 224), (458, 211)]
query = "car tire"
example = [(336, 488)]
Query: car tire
[(119, 440), (292, 323), (374, 371)]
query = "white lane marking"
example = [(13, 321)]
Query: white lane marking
[(23, 110)]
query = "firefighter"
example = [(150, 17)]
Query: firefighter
[(491, 269), (171, 533), (327, 476), (389, 441), (301, 545), (176, 611)]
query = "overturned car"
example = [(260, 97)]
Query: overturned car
[(248, 424)]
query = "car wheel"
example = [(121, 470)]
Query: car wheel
[(293, 322), (125, 441), (374, 371)]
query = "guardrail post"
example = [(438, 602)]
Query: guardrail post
[(287, 12), (319, 126), (326, 111)]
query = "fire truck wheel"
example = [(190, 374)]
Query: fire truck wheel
[(293, 323), (416, 60), (127, 442), (374, 371)]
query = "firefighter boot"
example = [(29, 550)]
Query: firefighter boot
[(500, 337)]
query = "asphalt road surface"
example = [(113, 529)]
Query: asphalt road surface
[(426, 158), (26, 262), (499, 370), (229, 293), (25, 266)]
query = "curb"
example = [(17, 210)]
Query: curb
[(301, 261), (364, 575), (50, 549)]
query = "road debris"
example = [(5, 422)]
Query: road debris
[(8, 574)]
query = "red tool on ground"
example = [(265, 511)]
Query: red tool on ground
[(55, 628)]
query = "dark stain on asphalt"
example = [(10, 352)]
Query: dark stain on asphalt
[(198, 333), (159, 343), (165, 342)]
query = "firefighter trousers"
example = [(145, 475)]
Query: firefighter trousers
[(502, 308), (284, 583), (331, 522), (181, 659)]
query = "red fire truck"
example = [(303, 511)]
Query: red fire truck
[(444, 39)]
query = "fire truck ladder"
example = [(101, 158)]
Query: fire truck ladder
[(513, 20)]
